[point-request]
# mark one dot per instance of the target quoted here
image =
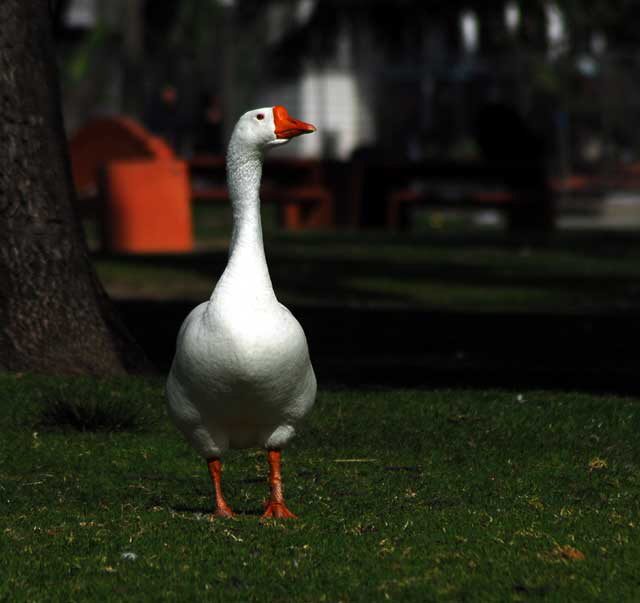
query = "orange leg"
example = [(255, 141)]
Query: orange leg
[(215, 470), (276, 507)]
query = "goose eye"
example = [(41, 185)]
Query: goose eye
[(260, 116)]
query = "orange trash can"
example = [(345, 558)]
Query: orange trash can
[(148, 206)]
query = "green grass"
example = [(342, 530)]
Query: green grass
[(453, 271), (88, 405), (402, 496)]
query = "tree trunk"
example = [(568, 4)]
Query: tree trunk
[(54, 315)]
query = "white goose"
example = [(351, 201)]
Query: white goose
[(241, 375)]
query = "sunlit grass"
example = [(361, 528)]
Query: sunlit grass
[(485, 272), (470, 298), (127, 278)]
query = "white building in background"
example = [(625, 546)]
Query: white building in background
[(81, 14), (512, 16), (331, 100), (556, 29), (469, 30), (329, 95)]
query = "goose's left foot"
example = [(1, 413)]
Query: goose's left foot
[(276, 507)]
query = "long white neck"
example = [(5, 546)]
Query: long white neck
[(246, 274)]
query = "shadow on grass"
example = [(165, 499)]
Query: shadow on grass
[(579, 333), (253, 512), (577, 272), (411, 348)]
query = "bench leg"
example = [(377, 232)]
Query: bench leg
[(291, 217), (297, 216), (397, 215), (319, 215)]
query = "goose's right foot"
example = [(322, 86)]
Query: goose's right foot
[(223, 511)]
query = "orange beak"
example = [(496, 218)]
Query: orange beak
[(287, 126)]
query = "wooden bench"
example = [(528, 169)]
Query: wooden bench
[(134, 187), (399, 202), (575, 191), (296, 186), (517, 188), (110, 139)]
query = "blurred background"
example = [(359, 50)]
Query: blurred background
[(466, 212)]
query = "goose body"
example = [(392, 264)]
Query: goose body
[(241, 375)]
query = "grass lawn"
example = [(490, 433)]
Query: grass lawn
[(402, 495)]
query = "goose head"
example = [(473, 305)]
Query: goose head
[(271, 126)]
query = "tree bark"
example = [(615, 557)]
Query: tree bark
[(54, 315)]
